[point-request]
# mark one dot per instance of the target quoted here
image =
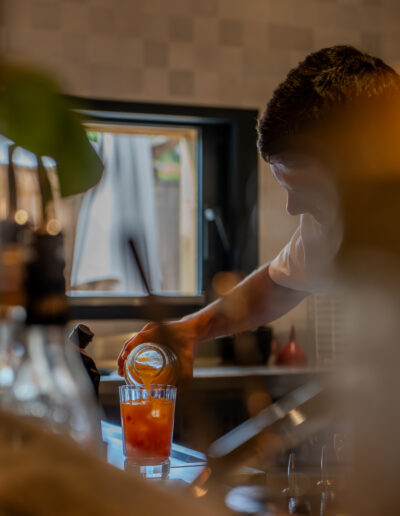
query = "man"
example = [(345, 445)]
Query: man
[(304, 135)]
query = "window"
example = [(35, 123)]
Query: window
[(182, 182), (148, 193)]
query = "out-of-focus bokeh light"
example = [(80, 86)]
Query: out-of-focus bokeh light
[(198, 491), (237, 309), (53, 227), (21, 217), (199, 488), (225, 281), (3, 208)]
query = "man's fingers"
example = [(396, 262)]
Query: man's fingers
[(146, 335), (127, 348), (124, 353)]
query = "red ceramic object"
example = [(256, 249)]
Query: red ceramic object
[(291, 353)]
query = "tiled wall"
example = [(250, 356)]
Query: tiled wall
[(215, 52), (230, 52)]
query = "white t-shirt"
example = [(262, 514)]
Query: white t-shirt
[(306, 262)]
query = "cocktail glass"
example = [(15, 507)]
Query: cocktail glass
[(147, 417)]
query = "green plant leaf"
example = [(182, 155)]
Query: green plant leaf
[(35, 115)]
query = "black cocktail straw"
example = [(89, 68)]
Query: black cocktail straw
[(153, 305)]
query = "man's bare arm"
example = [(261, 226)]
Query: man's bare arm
[(255, 301)]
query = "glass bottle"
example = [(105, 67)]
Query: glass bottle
[(50, 383), (151, 363), (12, 273), (45, 382), (12, 313)]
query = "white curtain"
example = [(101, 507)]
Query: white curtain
[(122, 206)]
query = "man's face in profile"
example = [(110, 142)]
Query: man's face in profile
[(308, 184)]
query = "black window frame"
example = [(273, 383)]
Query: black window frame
[(227, 188)]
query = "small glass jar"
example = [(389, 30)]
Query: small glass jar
[(151, 363)]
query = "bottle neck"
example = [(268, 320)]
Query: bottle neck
[(149, 364), (146, 362)]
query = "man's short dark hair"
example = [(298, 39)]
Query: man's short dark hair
[(330, 78)]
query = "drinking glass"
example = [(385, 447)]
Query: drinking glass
[(147, 417)]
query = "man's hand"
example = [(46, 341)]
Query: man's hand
[(180, 336)]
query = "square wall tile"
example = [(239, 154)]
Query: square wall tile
[(3, 46), (75, 17), (131, 51), (154, 27), (181, 55), (181, 83), (265, 64), (298, 14), (230, 58), (231, 32), (46, 14), (232, 9), (255, 35), (123, 83), (259, 9), (370, 42), (128, 22), (106, 50), (204, 7), (257, 91), (206, 56), (391, 50), (74, 47), (154, 83), (206, 30), (206, 86), (285, 37), (155, 53), (328, 37), (339, 16), (181, 7), (102, 19), (19, 14), (229, 89), (181, 28), (45, 52), (2, 13)]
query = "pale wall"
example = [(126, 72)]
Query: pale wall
[(209, 52)]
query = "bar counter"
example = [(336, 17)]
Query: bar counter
[(185, 464)]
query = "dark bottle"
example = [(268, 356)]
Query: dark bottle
[(82, 336)]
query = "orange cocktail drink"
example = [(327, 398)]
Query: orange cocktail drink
[(147, 422)]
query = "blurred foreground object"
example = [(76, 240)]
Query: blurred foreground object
[(46, 380), (35, 116), (279, 427), (370, 265), (50, 383), (369, 270), (40, 473), (249, 461)]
